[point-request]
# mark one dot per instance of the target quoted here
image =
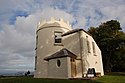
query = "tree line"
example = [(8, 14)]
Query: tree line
[(111, 40)]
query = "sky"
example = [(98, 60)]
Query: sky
[(19, 19)]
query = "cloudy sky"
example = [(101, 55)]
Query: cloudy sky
[(19, 19)]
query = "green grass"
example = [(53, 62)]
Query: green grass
[(38, 80), (113, 78), (109, 78)]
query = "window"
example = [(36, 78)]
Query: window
[(88, 46), (36, 42), (58, 39), (93, 46), (35, 62), (72, 60), (58, 63)]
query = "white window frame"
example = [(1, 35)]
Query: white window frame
[(57, 38)]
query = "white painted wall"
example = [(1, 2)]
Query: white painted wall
[(45, 47), (90, 60), (58, 72), (72, 43)]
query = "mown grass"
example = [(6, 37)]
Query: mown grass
[(38, 80), (109, 78), (116, 77)]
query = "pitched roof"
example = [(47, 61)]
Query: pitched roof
[(62, 53), (75, 30)]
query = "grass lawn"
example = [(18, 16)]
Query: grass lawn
[(109, 78), (116, 77)]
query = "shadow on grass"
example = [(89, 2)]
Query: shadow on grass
[(41, 80), (115, 77), (116, 74)]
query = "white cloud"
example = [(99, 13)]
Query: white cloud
[(100, 11), (17, 41), (47, 13)]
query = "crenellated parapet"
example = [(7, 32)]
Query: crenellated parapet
[(53, 22)]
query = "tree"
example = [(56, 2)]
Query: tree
[(111, 41), (119, 59)]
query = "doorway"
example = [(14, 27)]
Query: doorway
[(73, 67)]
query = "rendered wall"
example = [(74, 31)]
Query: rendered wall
[(45, 47), (90, 59), (99, 65), (58, 72), (77, 43), (72, 43)]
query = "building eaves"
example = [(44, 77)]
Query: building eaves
[(74, 31)]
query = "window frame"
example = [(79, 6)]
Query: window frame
[(58, 63), (60, 39), (35, 62), (93, 47), (88, 46), (36, 41)]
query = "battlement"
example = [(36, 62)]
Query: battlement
[(54, 22)]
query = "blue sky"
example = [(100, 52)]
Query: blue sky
[(19, 19)]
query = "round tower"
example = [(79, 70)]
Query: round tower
[(48, 41)]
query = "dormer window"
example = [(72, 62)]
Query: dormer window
[(58, 37)]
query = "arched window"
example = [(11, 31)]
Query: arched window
[(93, 46), (88, 46)]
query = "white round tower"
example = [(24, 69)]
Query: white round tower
[(48, 41)]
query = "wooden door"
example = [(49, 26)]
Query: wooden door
[(73, 67)]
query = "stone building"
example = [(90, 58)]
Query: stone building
[(63, 52)]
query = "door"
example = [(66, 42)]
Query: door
[(73, 67)]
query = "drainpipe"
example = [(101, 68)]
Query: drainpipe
[(81, 49)]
